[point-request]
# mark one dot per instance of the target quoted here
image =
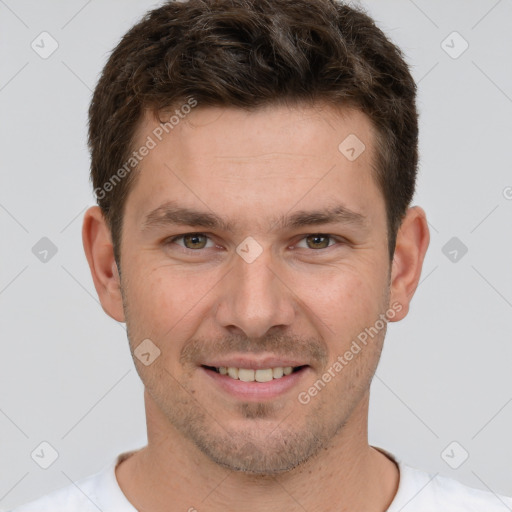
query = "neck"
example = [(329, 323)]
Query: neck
[(346, 475)]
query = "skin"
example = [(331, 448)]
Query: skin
[(302, 298)]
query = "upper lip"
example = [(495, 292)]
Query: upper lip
[(252, 363)]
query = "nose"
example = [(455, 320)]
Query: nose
[(255, 298)]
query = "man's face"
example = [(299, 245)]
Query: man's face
[(256, 291)]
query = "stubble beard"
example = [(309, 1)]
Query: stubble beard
[(267, 446)]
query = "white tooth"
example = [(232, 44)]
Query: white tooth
[(233, 372), (246, 375), (287, 370), (223, 370), (263, 375), (277, 373)]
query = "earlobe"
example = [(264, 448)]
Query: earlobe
[(411, 246), (97, 242)]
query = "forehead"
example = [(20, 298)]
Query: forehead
[(264, 130), (273, 158)]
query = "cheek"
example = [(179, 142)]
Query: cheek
[(150, 295), (165, 300), (343, 303)]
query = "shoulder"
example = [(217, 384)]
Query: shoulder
[(67, 498), (79, 496), (99, 491), (421, 491)]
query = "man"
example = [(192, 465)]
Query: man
[(254, 163)]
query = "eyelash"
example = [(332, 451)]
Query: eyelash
[(340, 241)]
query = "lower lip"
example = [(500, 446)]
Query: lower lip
[(256, 391)]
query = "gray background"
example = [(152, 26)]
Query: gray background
[(66, 375)]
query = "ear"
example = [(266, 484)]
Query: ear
[(99, 251), (411, 245)]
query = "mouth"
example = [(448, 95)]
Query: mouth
[(255, 375), (262, 382)]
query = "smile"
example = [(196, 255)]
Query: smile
[(259, 375), (248, 379)]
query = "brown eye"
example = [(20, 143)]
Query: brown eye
[(195, 241), (318, 241)]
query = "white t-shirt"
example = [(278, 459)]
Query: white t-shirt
[(418, 491)]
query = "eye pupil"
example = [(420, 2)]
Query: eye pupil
[(319, 241), (197, 241)]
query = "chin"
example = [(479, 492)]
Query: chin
[(267, 455)]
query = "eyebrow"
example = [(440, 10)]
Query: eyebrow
[(338, 214), (170, 213)]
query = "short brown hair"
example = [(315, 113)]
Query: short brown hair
[(249, 53)]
